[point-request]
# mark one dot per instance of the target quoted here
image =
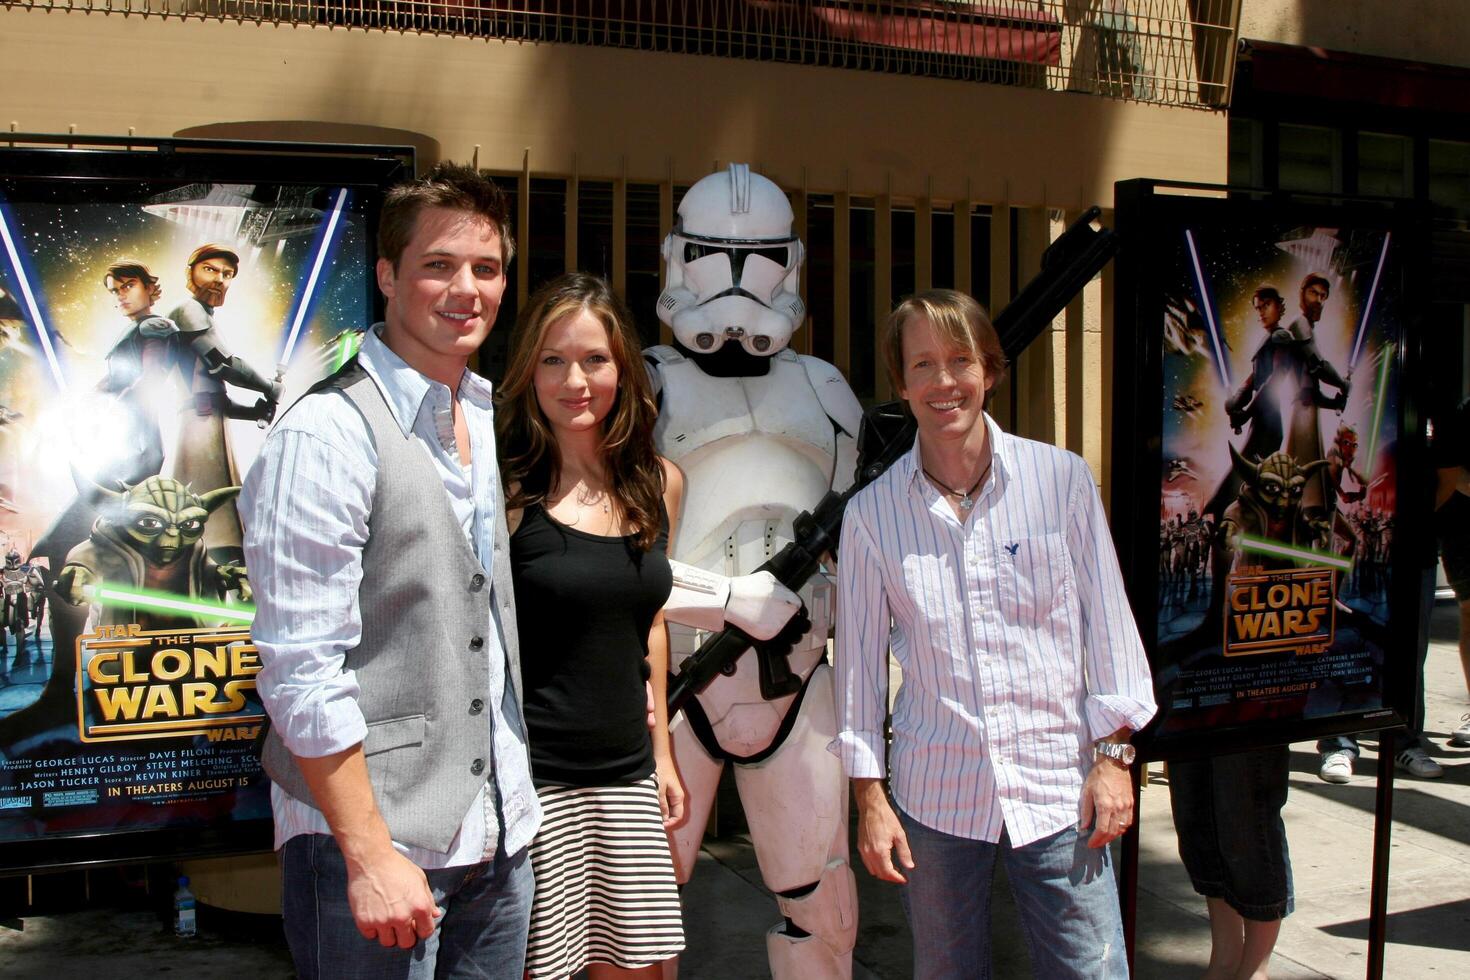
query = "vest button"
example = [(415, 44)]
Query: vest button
[(477, 706), (476, 642), (477, 767), (477, 582)]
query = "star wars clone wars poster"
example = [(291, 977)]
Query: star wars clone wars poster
[(151, 333), (1278, 480)]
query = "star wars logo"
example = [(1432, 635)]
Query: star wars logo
[(132, 683), (1274, 611)]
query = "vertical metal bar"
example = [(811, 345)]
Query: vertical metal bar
[(569, 234), (924, 239), (962, 255), (665, 228), (1128, 869), (842, 280), (882, 283), (1000, 295), (1382, 844), (523, 228), (620, 232), (1074, 373), (1105, 388)]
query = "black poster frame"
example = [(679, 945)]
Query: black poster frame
[(1150, 215), (69, 164)]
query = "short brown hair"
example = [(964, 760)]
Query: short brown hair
[(957, 318), (133, 269), (447, 185), (1269, 293)]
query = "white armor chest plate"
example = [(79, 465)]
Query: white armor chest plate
[(15, 580), (755, 452)]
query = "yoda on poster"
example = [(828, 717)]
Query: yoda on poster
[(149, 335), (1279, 477)]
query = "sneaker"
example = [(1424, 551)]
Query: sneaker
[(1460, 737), (1415, 762), (1337, 766)]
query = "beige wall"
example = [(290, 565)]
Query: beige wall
[(1432, 31), (600, 112)]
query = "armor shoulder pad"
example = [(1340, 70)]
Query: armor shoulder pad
[(662, 354), (157, 327), (837, 399)]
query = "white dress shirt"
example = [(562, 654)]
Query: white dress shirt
[(305, 505), (1015, 638)]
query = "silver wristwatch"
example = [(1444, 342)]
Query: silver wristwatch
[(1117, 751)]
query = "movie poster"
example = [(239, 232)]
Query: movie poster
[(149, 335), (1278, 480)]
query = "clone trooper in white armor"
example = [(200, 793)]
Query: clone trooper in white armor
[(761, 434)]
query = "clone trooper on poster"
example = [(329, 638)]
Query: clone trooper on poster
[(761, 434)]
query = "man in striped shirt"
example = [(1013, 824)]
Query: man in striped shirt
[(985, 563)]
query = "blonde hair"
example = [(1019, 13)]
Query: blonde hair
[(957, 318)]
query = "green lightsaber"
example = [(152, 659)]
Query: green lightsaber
[(1265, 546), (1385, 357), (115, 595)]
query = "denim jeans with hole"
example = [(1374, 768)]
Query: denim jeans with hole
[(1065, 895), (482, 933)]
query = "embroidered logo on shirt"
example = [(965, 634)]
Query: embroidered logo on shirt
[(1011, 549)]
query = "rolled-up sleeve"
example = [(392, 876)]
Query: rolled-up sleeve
[(1120, 692), (305, 506), (860, 663)]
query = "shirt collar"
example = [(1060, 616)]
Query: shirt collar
[(1000, 450), (404, 388)]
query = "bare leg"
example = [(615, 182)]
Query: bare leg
[(1227, 940), (1260, 939), (1465, 641)]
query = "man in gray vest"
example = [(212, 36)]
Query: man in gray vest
[(375, 530)]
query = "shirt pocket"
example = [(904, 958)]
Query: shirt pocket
[(1035, 575)]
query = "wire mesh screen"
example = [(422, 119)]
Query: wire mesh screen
[(1173, 52)]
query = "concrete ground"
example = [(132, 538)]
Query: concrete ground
[(1330, 829)]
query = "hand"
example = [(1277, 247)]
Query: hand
[(880, 834), (391, 901), (73, 582), (760, 605), (671, 795), (1107, 802)]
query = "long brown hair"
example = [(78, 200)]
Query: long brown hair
[(532, 463)]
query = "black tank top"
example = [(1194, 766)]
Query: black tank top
[(584, 605)]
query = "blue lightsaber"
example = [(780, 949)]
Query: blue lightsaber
[(1368, 308), (323, 248), (29, 296), (1204, 303)]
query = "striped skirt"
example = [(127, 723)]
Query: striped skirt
[(605, 889)]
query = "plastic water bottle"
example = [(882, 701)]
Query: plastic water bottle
[(184, 921)]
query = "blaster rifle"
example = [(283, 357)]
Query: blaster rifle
[(887, 433)]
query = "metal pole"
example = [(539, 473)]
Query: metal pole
[(1382, 834), (1128, 869)]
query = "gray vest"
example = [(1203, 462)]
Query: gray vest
[(421, 666)]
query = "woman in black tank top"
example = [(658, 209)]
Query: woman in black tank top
[(590, 506)]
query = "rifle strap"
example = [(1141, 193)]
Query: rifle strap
[(704, 731)]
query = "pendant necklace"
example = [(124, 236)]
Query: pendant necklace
[(966, 500)]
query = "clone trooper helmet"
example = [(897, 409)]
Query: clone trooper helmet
[(733, 266)]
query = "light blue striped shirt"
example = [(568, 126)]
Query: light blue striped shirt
[(306, 505), (1016, 642)]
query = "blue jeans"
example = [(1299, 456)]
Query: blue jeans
[(482, 933), (1227, 813), (1064, 892)]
